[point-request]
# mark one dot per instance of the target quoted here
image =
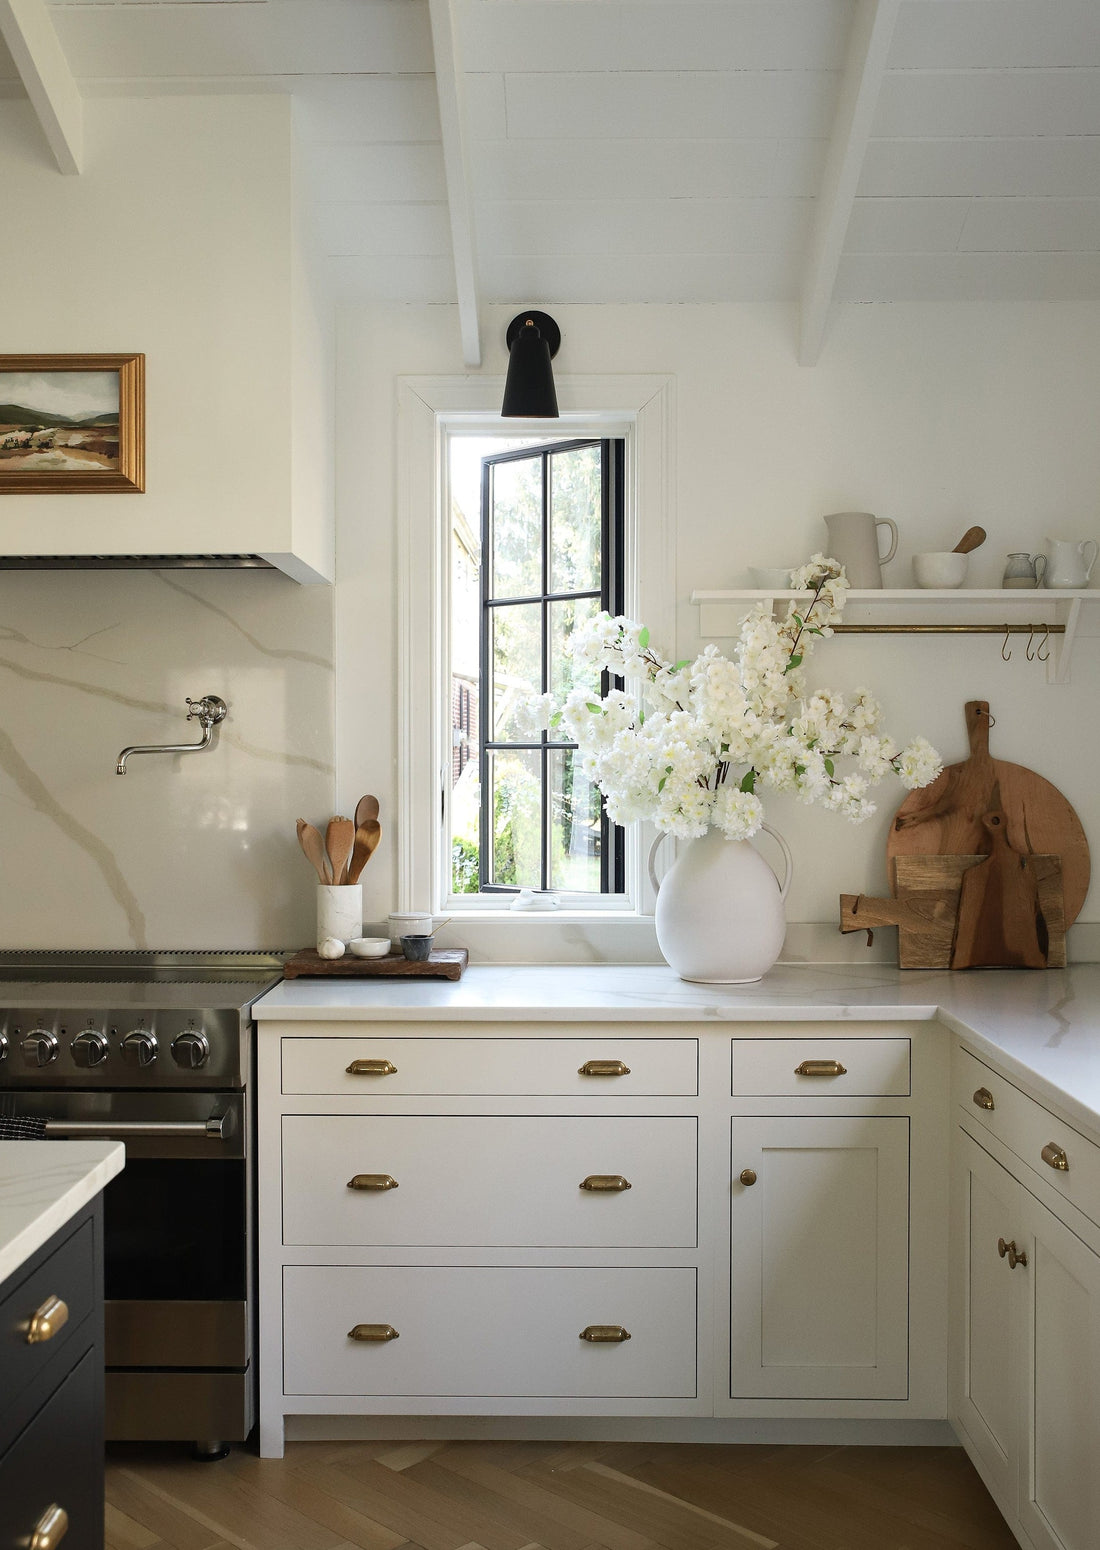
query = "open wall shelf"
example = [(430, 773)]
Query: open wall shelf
[(1048, 620)]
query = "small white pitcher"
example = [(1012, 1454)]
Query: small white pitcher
[(1067, 566), (719, 915)]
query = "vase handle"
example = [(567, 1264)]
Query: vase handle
[(653, 849), (788, 861)]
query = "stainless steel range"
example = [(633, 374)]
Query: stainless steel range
[(155, 1049)]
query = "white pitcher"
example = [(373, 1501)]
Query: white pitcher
[(853, 540), (1067, 566), (719, 915)]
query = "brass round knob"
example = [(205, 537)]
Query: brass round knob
[(747, 1176)]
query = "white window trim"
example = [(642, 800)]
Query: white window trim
[(426, 407)]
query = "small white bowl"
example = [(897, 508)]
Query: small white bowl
[(369, 946), (940, 568), (767, 578)]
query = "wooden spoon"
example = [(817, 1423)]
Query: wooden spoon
[(339, 839), (313, 847), (972, 539), (366, 809), (366, 843)]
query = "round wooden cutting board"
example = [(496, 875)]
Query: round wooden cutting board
[(945, 818)]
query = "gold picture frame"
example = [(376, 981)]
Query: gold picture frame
[(72, 424)]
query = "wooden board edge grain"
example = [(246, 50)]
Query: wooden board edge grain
[(449, 963)]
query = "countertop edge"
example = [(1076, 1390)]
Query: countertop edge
[(50, 1194)]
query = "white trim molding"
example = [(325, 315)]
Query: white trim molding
[(642, 409), (28, 30)]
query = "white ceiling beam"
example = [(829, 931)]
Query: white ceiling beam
[(28, 31), (450, 90), (868, 47)]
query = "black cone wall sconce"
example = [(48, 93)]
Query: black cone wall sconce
[(533, 340)]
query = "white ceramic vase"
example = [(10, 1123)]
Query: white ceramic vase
[(719, 917)]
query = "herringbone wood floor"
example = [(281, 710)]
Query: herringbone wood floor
[(550, 1496)]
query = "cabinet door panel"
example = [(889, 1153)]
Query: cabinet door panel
[(1059, 1498), (820, 1258), (490, 1180)]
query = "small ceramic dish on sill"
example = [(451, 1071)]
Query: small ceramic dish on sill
[(369, 946)]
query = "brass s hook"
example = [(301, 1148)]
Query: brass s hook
[(1005, 653), (1043, 651), (1028, 653)]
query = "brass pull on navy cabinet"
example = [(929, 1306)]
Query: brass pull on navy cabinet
[(47, 1320), (50, 1529)]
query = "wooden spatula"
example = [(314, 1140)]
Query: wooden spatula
[(339, 839), (313, 847), (366, 843)]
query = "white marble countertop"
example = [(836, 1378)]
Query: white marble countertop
[(1041, 1028), (43, 1184)]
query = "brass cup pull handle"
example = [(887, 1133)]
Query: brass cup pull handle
[(374, 1332), (821, 1068), (605, 1183), (50, 1529), (372, 1181), (372, 1068), (1014, 1255), (603, 1068), (1055, 1157), (605, 1334), (983, 1098), (46, 1321)]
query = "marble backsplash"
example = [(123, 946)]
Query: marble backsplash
[(195, 850)]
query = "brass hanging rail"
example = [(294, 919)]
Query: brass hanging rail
[(948, 629)]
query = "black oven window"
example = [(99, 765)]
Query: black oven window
[(175, 1229)]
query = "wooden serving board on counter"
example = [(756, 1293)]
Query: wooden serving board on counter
[(947, 818), (933, 931), (447, 964)]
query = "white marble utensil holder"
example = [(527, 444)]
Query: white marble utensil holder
[(339, 911)]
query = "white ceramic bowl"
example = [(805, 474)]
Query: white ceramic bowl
[(369, 946), (768, 578), (940, 568)]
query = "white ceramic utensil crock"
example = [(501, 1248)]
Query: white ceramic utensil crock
[(339, 912), (719, 914)]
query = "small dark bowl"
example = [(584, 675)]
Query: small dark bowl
[(416, 948)]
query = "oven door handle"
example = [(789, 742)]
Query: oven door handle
[(218, 1126)]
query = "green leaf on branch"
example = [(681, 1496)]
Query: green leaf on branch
[(748, 784), (595, 707), (830, 768), (555, 719), (661, 784), (643, 637), (796, 661), (685, 663)]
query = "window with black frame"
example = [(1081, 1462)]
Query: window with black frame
[(550, 557)]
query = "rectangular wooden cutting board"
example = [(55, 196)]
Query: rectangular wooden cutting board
[(447, 964)]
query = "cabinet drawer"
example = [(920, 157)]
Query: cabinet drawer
[(806, 1068), (1029, 1130), (57, 1461), (600, 1065), (505, 1332), (68, 1277), (490, 1180)]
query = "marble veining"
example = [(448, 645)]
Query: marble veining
[(43, 1184), (1040, 1028), (180, 852)]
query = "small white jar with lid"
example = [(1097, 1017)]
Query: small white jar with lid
[(411, 923)]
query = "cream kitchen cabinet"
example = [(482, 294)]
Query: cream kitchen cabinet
[(462, 1217), (1025, 1355), (819, 1287)]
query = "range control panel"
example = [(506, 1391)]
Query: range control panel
[(96, 1047)]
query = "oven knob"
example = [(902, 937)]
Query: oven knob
[(89, 1048), (139, 1048), (39, 1047), (190, 1050)]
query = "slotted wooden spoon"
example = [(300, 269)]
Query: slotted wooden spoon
[(339, 839), (313, 848)]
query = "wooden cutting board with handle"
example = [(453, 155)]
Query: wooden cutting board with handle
[(947, 817), (1003, 916)]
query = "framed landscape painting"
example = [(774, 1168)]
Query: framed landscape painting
[(72, 423)]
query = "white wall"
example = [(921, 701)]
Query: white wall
[(176, 241), (937, 416)]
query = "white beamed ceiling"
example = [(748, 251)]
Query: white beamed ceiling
[(655, 150)]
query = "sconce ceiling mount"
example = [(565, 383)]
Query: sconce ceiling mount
[(533, 340)]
